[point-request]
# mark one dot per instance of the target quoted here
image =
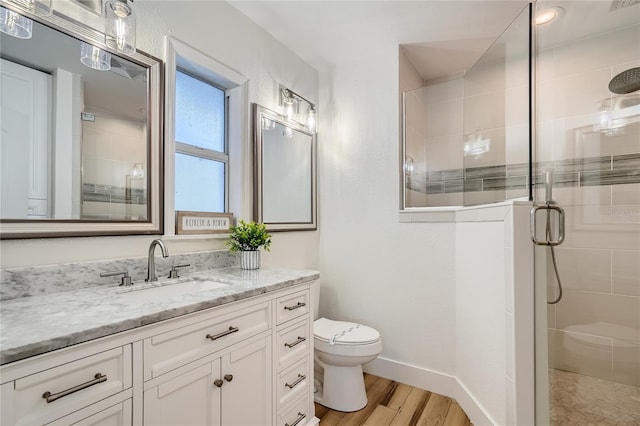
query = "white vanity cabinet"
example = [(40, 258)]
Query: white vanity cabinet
[(248, 362), (50, 395)]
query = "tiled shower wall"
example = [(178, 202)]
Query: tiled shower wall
[(595, 328), (111, 147)]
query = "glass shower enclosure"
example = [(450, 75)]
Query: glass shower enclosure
[(587, 137), (551, 114)]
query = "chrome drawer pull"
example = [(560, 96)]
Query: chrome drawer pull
[(300, 340), (300, 418), (231, 330), (294, 384), (299, 305), (50, 397)]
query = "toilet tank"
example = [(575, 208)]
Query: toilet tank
[(315, 298)]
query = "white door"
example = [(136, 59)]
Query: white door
[(187, 399), (24, 119), (246, 393)]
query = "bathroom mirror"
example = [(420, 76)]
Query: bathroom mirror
[(81, 145), (285, 172)]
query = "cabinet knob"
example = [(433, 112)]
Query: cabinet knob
[(228, 377), (218, 383)]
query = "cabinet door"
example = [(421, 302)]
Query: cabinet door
[(188, 399), (246, 399)]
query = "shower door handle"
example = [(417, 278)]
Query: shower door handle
[(548, 241)]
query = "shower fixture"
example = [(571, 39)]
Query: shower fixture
[(626, 82)]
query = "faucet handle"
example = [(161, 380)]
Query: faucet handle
[(125, 280), (173, 273)]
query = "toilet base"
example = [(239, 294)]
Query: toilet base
[(342, 388)]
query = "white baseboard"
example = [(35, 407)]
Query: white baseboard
[(433, 381)]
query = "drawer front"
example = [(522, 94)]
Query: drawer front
[(51, 394), (167, 351), (116, 415), (293, 382), (296, 414), (292, 306), (292, 343)]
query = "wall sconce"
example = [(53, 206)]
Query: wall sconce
[(94, 57), (291, 101), (120, 26)]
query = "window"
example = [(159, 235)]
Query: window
[(201, 155)]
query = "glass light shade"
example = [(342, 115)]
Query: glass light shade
[(311, 119), (42, 7), (289, 106), (94, 57), (14, 24), (120, 26)]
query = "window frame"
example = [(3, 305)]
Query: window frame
[(206, 153), (238, 171)]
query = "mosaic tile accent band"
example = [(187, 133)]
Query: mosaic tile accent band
[(113, 194), (592, 171)]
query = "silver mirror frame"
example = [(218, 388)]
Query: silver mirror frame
[(260, 112), (13, 228)]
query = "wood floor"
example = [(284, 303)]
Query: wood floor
[(392, 403)]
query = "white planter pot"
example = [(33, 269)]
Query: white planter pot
[(250, 259)]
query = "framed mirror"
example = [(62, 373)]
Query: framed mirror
[(81, 133), (285, 172)]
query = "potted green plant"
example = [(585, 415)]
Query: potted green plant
[(247, 238)]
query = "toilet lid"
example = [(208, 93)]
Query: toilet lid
[(344, 332)]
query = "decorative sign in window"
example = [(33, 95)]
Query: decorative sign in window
[(202, 223)]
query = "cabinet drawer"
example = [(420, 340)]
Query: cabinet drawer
[(167, 351), (116, 415), (296, 414), (292, 306), (69, 387), (292, 343), (293, 382)]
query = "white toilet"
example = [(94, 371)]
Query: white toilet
[(341, 348)]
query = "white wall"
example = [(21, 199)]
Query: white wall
[(220, 31), (394, 276)]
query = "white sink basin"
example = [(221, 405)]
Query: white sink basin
[(157, 291)]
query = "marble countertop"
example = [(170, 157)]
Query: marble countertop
[(34, 325)]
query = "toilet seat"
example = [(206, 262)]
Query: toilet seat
[(344, 333)]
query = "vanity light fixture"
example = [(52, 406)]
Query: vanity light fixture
[(291, 101), (120, 26), (545, 16), (94, 57)]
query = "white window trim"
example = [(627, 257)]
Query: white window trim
[(182, 56)]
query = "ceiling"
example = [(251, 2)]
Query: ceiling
[(441, 38)]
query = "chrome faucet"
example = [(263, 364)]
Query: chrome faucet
[(151, 265)]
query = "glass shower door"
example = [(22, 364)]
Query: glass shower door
[(587, 137)]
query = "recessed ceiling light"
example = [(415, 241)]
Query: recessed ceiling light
[(545, 16)]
